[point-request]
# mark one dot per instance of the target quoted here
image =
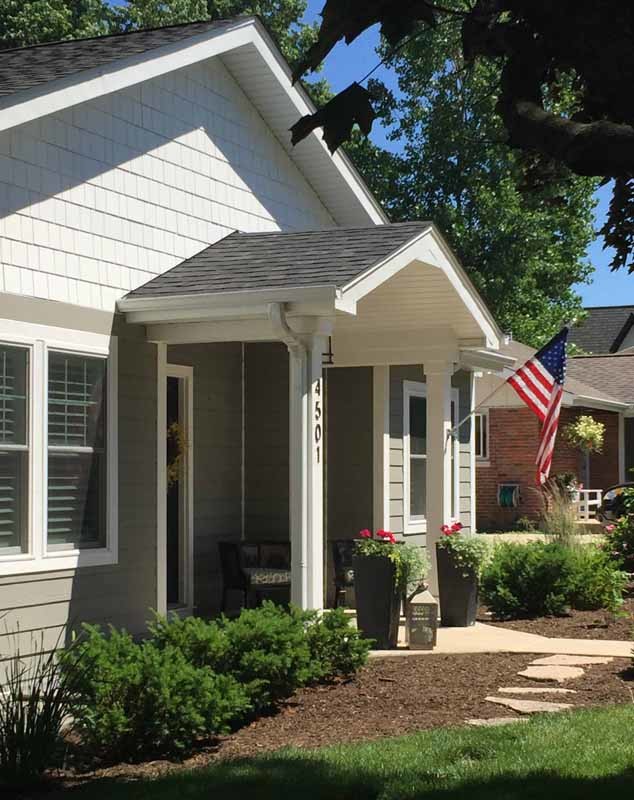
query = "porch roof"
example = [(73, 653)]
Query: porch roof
[(262, 261)]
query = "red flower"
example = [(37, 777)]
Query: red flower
[(365, 534), (387, 536), (457, 526)]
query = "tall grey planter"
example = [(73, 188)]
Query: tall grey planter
[(458, 593), (378, 600)]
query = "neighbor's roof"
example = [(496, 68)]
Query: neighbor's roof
[(244, 261), (26, 67), (579, 380), (603, 330), (614, 371)]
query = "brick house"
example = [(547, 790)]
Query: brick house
[(507, 434)]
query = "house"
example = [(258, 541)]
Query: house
[(605, 329), (172, 266), (507, 435)]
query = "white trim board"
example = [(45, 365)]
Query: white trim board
[(248, 36)]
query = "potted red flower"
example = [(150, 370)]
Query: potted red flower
[(376, 587), (460, 561)]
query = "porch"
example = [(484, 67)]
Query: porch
[(315, 379)]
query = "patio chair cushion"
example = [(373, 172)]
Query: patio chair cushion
[(263, 576)]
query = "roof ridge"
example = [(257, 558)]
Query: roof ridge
[(604, 355), (336, 229), (125, 33), (600, 308)]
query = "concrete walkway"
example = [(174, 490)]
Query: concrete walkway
[(480, 638)]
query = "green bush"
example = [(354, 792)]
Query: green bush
[(596, 581), (619, 542), (527, 580), (536, 579), (203, 643), (139, 700), (337, 650)]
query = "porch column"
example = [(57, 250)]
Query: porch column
[(438, 497), (306, 472)]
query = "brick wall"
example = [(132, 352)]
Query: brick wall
[(513, 441)]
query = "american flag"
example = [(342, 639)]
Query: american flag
[(540, 384)]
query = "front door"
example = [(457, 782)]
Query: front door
[(179, 487)]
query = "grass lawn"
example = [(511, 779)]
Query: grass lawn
[(585, 754)]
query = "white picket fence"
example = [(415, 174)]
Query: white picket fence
[(587, 502)]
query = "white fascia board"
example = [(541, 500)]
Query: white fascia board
[(222, 305), (421, 248), (600, 403), (89, 84)]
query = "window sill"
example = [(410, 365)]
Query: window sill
[(56, 562), (483, 462), (414, 527)]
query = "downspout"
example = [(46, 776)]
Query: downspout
[(298, 464)]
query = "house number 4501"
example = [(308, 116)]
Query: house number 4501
[(317, 415)]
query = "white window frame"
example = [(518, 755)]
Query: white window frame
[(40, 339), (484, 418), (419, 524)]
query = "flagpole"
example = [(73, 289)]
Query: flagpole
[(456, 428)]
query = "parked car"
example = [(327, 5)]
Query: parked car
[(613, 506)]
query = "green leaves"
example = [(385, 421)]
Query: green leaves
[(338, 117)]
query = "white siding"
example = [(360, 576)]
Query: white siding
[(96, 200)]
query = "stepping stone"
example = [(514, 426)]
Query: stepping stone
[(534, 690), (529, 706), (552, 673), (494, 722), (571, 661)]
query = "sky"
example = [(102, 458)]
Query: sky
[(348, 63)]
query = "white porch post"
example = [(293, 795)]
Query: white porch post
[(438, 498), (381, 447), (306, 457)]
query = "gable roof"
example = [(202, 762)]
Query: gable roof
[(27, 67), (604, 329), (614, 371), (45, 79), (244, 261)]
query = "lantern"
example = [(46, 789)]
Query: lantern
[(422, 621)]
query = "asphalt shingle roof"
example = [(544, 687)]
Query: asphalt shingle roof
[(599, 331), (580, 379), (614, 372), (27, 67), (243, 261)]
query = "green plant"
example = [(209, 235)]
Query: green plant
[(202, 642), (140, 700), (528, 580), (411, 563), (586, 434), (559, 516), (34, 705), (537, 578), (596, 583), (337, 649), (619, 542), (470, 553), (525, 524)]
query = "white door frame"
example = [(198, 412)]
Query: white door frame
[(186, 376)]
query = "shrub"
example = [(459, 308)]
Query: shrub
[(202, 643), (139, 700), (527, 580), (34, 704), (267, 652), (336, 648), (559, 516), (619, 542), (536, 579), (596, 581)]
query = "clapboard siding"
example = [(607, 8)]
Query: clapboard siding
[(121, 594), (461, 380), (97, 199), (217, 458)]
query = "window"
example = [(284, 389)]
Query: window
[(14, 449), (58, 448), (76, 451), (482, 436), (415, 456)]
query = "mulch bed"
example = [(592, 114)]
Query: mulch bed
[(575, 625), (389, 697)]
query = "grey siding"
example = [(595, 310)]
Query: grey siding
[(461, 380), (217, 458), (46, 606), (267, 442)]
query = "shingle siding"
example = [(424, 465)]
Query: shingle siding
[(100, 198)]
